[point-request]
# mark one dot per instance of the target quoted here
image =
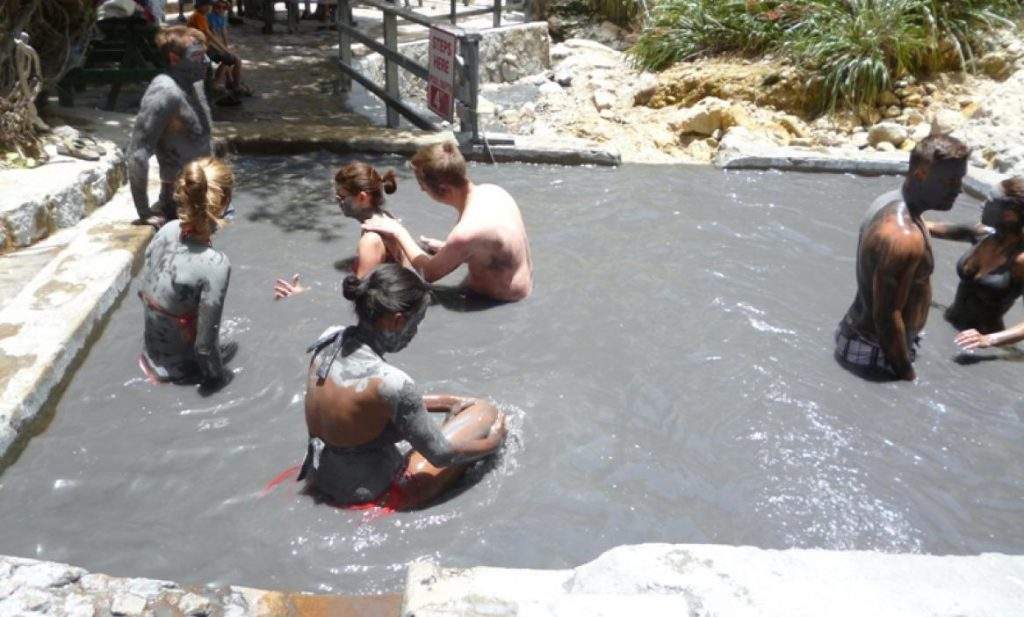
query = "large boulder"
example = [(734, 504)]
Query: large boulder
[(945, 121), (704, 118), (887, 132)]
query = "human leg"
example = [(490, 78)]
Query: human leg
[(422, 481)]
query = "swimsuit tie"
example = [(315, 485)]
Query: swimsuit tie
[(186, 322)]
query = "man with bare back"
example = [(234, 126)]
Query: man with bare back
[(879, 334), (489, 237)]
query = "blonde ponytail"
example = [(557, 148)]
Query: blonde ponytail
[(201, 192)]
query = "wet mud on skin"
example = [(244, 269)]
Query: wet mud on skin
[(670, 380)]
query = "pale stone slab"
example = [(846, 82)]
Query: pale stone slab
[(686, 579), (45, 326)]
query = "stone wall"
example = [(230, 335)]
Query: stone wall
[(71, 190), (506, 54)]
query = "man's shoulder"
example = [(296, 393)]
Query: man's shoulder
[(163, 89)]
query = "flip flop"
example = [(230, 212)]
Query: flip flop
[(79, 148)]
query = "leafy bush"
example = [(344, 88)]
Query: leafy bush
[(855, 48), (619, 11)]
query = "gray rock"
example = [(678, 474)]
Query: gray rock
[(127, 604), (945, 121), (859, 139), (887, 132), (920, 131), (77, 605), (147, 587), (550, 88), (194, 605), (644, 87), (604, 99), (33, 599), (44, 574), (997, 65)]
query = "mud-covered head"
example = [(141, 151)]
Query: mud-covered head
[(184, 49), (937, 168), (203, 192), (390, 302), (360, 189), (1004, 209), (440, 169)]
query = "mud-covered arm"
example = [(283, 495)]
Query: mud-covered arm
[(211, 307), (414, 424), (957, 232), (898, 260), (155, 112)]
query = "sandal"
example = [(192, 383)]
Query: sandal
[(79, 148)]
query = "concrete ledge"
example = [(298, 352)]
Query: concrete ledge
[(978, 183), (45, 327), (35, 587), (74, 189), (281, 139), (687, 579)]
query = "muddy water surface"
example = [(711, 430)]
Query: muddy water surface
[(671, 379)]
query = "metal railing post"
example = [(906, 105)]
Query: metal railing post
[(343, 15), (497, 13), (390, 68), (469, 46), (451, 13)]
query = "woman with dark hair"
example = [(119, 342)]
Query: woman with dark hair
[(185, 281), (360, 191), (992, 271), (358, 406)]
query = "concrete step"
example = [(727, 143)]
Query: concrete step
[(732, 581), (46, 325)]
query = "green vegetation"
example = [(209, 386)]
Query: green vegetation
[(618, 11), (855, 49)]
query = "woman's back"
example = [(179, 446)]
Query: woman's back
[(346, 409), (183, 288)]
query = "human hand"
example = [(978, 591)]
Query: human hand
[(284, 289), (155, 220), (384, 225), (972, 339), (431, 245)]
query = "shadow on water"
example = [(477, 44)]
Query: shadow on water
[(461, 300), (1011, 354)]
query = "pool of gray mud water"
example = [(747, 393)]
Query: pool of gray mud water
[(670, 379)]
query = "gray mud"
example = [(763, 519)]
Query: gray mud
[(671, 379)]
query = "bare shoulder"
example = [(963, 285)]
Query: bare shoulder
[(397, 388), (370, 240), (494, 194), (894, 233)]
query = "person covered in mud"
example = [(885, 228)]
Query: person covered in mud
[(173, 122), (358, 406), (360, 191), (992, 271), (489, 237), (880, 332), (185, 281)]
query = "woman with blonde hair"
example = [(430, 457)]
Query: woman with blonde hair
[(185, 280)]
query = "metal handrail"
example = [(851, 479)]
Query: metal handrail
[(468, 73)]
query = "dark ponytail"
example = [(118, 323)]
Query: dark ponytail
[(388, 289)]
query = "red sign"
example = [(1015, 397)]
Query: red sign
[(441, 79)]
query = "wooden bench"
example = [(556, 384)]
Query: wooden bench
[(125, 54)]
